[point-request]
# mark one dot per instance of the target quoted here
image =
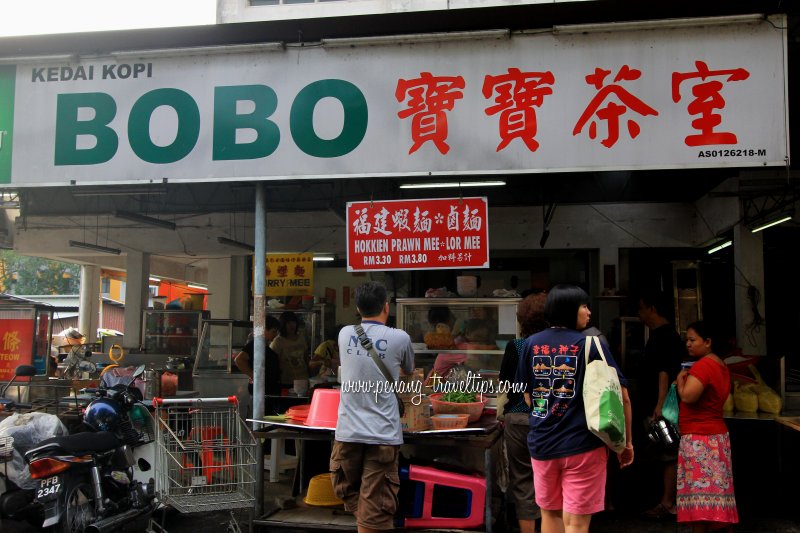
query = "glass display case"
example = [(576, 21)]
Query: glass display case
[(214, 373), (470, 331), (314, 324), (172, 332), (220, 341)]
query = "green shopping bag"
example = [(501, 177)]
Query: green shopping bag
[(602, 399)]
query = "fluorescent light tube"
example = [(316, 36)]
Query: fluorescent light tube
[(95, 247), (655, 24), (195, 286), (154, 279), (53, 59), (323, 258), (89, 190), (766, 225), (143, 219), (199, 50), (454, 184), (413, 38), (720, 247), (237, 244)]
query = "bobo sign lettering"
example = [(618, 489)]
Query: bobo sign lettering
[(527, 103)]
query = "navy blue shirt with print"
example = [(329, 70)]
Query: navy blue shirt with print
[(552, 368)]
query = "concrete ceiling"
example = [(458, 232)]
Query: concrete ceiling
[(302, 215)]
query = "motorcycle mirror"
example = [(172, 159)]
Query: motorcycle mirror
[(139, 371), (25, 371)]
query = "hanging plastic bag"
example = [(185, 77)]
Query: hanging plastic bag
[(671, 407), (602, 399)]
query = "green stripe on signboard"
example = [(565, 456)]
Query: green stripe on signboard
[(8, 75)]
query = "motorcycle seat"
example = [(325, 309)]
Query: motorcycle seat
[(79, 443)]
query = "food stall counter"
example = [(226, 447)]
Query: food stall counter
[(480, 436)]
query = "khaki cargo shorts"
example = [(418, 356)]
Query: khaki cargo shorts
[(365, 477)]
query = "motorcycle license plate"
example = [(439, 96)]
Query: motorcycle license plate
[(49, 488)]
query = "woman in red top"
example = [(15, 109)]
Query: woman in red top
[(705, 476)]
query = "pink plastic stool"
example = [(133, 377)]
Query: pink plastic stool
[(429, 477)]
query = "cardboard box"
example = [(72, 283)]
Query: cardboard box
[(416, 417)]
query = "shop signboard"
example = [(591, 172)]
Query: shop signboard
[(16, 345), (686, 96), (417, 234), (290, 274)]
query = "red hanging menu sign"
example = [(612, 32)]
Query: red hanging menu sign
[(16, 345), (417, 234)]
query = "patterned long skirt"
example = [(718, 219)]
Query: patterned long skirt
[(705, 480)]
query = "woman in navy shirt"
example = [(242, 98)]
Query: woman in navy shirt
[(569, 462)]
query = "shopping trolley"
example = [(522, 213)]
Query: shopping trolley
[(205, 455)]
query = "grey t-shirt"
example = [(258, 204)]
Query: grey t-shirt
[(362, 418)]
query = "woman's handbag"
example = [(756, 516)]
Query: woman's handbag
[(670, 408), (602, 399)]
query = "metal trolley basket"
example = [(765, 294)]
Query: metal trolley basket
[(205, 455)]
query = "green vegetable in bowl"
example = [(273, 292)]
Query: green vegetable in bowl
[(458, 397)]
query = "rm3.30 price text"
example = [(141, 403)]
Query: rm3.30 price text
[(402, 259)]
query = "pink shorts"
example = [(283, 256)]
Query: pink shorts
[(575, 484)]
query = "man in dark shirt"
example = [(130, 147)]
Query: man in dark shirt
[(662, 361), (272, 373)]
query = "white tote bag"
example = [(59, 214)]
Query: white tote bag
[(602, 399)]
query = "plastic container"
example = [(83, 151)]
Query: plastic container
[(324, 410), (473, 409), (169, 384), (450, 421), (297, 413), (320, 492)]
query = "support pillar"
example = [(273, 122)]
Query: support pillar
[(136, 296), (227, 287), (89, 307), (259, 301), (748, 259)]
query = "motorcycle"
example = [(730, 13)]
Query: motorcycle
[(16, 503), (87, 481)]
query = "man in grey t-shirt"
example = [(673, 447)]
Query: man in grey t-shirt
[(364, 460)]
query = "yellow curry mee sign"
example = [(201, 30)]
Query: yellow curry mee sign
[(290, 274)]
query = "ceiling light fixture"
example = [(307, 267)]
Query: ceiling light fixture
[(95, 247), (144, 219), (199, 50), (116, 191), (415, 38), (237, 244), (196, 286), (655, 24), (779, 219), (453, 184), (54, 59), (720, 246), (323, 258)]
